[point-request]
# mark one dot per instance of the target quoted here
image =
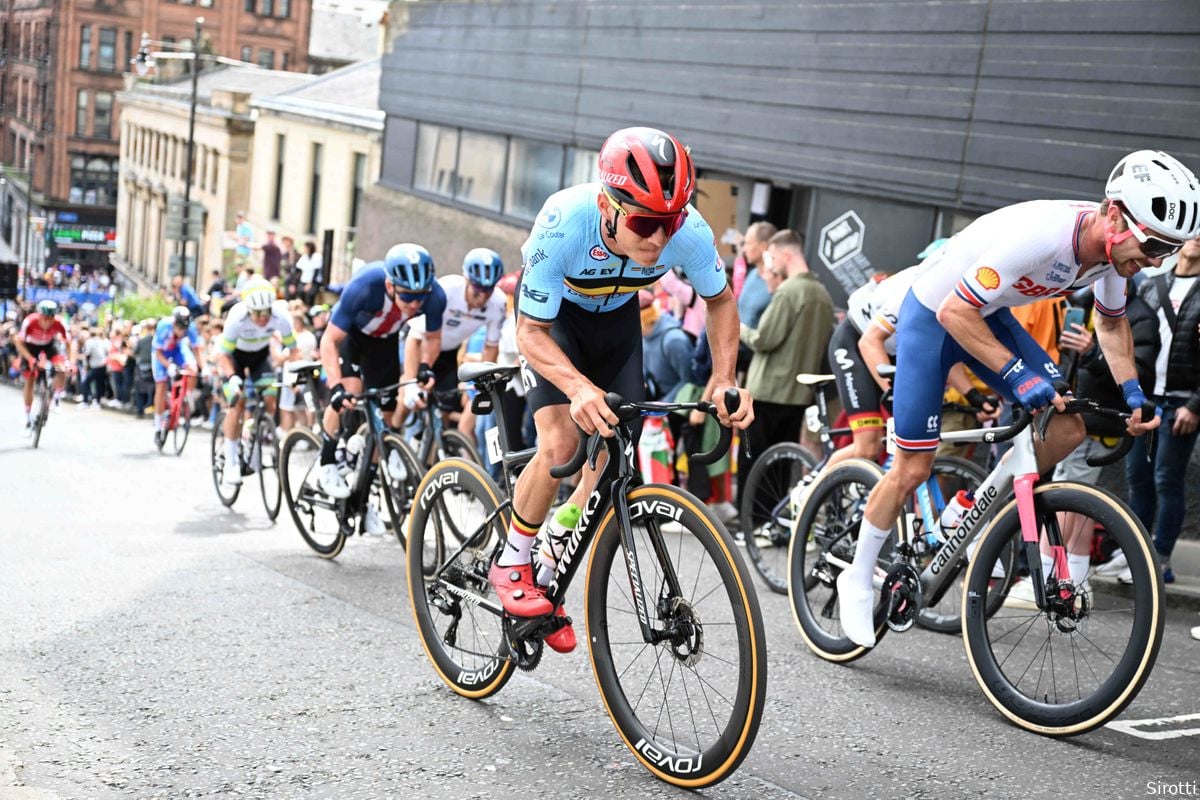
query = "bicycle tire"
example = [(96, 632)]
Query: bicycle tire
[(227, 494), (183, 425), (455, 444), (266, 448), (459, 493), (1034, 709), (945, 617), (764, 513), (812, 573), (703, 626), (305, 503), (398, 491), (39, 420)]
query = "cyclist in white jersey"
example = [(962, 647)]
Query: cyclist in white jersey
[(958, 310), (244, 351), (471, 303)]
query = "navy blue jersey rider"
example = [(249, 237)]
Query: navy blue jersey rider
[(361, 345)]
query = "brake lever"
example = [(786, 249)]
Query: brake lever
[(593, 449)]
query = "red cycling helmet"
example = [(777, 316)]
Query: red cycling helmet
[(648, 168)]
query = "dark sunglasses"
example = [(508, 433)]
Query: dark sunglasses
[(479, 287), (646, 225), (1152, 246), (411, 297)]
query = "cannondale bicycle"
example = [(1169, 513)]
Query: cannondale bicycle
[(1065, 666), (673, 625)]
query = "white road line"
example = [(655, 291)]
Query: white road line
[(1135, 727)]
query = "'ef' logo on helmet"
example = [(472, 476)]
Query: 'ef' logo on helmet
[(988, 278)]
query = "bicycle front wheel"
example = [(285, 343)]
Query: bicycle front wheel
[(765, 514), (183, 426), (227, 493), (1074, 665), (41, 414), (687, 703), (266, 450), (458, 616), (317, 517)]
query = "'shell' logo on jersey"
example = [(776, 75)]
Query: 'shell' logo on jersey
[(599, 253), (988, 278)]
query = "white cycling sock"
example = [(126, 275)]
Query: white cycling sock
[(158, 421), (231, 452), (521, 536), (870, 542), (1078, 566)]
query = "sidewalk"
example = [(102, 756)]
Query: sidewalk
[(1184, 592)]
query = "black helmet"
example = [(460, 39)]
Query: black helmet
[(181, 316)]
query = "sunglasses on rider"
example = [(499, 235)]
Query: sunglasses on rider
[(646, 225), (1152, 246), (479, 287), (411, 297)]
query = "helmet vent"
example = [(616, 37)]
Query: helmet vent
[(636, 173), (1160, 164)]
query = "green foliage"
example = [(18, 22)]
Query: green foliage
[(138, 307)]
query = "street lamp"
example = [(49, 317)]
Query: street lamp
[(144, 64)]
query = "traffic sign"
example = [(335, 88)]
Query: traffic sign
[(173, 224)]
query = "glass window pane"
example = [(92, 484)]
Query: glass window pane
[(85, 47), (266, 59), (581, 166), (534, 170), (480, 177), (81, 109), (108, 49), (437, 148), (102, 124)]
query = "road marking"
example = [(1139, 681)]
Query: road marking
[(1136, 727)]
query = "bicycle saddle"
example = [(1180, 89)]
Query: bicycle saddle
[(813, 379), (475, 370)]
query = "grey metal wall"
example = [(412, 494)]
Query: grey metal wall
[(965, 104)]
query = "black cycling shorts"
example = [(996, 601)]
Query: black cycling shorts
[(858, 391), (445, 381), (373, 359), (255, 365), (606, 347)]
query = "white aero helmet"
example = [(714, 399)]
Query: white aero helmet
[(1158, 192), (258, 294)]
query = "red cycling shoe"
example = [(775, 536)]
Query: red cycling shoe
[(563, 639), (517, 591)]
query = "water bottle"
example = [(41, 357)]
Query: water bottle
[(555, 541), (955, 510)]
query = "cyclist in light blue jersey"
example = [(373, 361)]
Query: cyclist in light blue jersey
[(592, 248)]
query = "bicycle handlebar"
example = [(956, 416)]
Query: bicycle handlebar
[(1022, 419), (589, 445)]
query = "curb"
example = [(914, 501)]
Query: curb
[(1184, 593)]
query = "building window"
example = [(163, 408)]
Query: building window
[(214, 161), (108, 49), (93, 180), (480, 173), (247, 54), (267, 8), (249, 6), (437, 152), (277, 201), (581, 166), (284, 60), (283, 8), (128, 50), (356, 190), (534, 173), (85, 47), (266, 58), (81, 111), (314, 188), (102, 124)]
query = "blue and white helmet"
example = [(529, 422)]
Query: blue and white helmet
[(409, 267), (483, 267)]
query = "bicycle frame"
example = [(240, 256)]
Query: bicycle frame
[(376, 427), (179, 387)]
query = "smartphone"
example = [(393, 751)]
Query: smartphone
[(1074, 317)]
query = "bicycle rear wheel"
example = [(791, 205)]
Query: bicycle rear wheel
[(821, 547), (1075, 665), (266, 458), (226, 493), (765, 515), (689, 704), (183, 425), (456, 445), (459, 618), (317, 517)]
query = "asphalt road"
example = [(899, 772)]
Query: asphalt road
[(159, 645)]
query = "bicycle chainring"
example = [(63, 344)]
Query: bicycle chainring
[(525, 653), (902, 593)]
